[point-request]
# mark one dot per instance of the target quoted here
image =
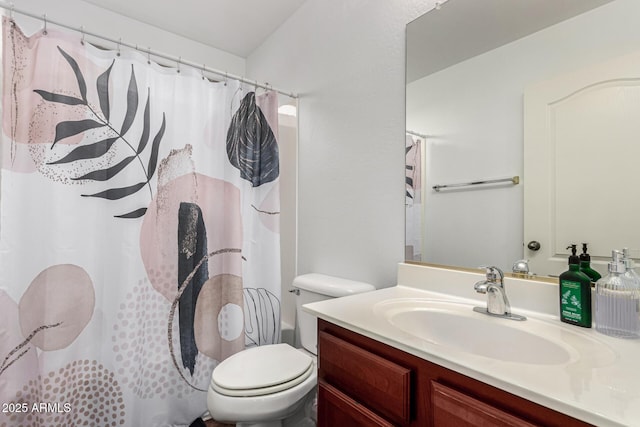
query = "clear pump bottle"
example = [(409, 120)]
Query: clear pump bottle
[(618, 301), (630, 266)]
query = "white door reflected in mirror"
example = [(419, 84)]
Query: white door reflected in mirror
[(581, 158)]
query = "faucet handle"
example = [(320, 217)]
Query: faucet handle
[(494, 274), (521, 266)]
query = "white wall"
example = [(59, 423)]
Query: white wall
[(474, 112), (78, 13), (288, 151), (346, 60)]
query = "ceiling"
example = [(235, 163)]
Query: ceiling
[(434, 41), (234, 26)]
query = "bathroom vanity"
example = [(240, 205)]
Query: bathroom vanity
[(363, 382), (417, 354)]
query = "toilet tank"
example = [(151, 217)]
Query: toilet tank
[(314, 287)]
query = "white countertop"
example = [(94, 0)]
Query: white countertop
[(600, 391)]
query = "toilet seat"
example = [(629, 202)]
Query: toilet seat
[(262, 370)]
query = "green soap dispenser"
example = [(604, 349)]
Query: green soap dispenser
[(575, 293), (585, 265)]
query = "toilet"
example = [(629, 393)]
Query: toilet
[(262, 386)]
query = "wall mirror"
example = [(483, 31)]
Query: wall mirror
[(535, 102)]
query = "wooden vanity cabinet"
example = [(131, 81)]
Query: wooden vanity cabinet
[(363, 382)]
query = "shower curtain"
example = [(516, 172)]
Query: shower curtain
[(139, 241), (413, 197)]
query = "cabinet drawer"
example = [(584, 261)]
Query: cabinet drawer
[(379, 383), (337, 409), (452, 408)]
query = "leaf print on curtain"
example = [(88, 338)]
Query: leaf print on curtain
[(135, 257), (413, 197), (251, 144), (96, 149)]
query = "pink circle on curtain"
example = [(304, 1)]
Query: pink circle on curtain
[(217, 293), (30, 121), (58, 304), (219, 202)]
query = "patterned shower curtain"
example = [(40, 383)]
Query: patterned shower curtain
[(413, 197), (139, 241)]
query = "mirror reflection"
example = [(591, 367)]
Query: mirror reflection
[(534, 104)]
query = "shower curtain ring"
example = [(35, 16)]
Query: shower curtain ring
[(226, 77), (82, 32), (13, 6), (149, 56), (44, 30), (204, 67), (179, 60), (119, 43)]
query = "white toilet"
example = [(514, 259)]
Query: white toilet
[(261, 386)]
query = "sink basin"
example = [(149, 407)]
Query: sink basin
[(456, 326)]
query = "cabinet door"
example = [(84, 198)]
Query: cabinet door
[(337, 409), (452, 408), (375, 381)]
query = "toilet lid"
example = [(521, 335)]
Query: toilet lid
[(262, 370)]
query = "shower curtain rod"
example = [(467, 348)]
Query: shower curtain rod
[(410, 132), (178, 60)]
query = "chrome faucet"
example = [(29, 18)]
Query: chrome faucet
[(521, 267), (497, 301)]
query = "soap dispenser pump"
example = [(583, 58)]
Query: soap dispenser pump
[(575, 293), (573, 258), (618, 301), (585, 265), (630, 266)]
